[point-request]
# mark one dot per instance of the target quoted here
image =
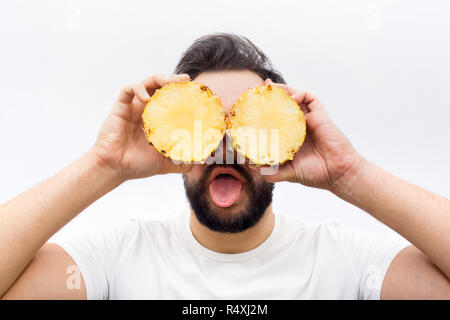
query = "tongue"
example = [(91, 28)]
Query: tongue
[(225, 190)]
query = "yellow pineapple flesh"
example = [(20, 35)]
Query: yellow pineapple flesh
[(267, 125), (184, 121)]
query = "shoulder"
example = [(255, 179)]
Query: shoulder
[(149, 226), (329, 229), (333, 236), (146, 229)]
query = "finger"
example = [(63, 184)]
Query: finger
[(297, 96), (315, 120), (307, 101), (130, 91), (281, 174), (301, 97), (138, 103), (154, 82), (271, 174), (181, 77), (157, 81), (170, 166), (178, 78), (291, 91)]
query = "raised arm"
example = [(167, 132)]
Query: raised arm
[(327, 160), (418, 215), (30, 268)]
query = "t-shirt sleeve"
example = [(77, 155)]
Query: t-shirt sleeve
[(370, 255), (96, 252)]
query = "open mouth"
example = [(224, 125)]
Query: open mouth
[(225, 186)]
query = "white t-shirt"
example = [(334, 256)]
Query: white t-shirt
[(144, 259)]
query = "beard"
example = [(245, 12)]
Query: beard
[(218, 219)]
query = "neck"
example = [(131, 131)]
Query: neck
[(233, 242)]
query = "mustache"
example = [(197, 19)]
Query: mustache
[(200, 187), (241, 169)]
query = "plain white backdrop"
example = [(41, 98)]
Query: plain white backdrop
[(380, 67)]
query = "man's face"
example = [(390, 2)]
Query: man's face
[(227, 197)]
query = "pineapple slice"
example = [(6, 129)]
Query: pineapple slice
[(267, 125), (184, 121)]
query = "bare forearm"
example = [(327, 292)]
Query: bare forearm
[(30, 219), (420, 216)]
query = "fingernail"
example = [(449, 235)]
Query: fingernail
[(163, 78), (184, 76)]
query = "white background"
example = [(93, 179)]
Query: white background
[(381, 68)]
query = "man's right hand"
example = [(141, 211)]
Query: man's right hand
[(121, 143), (30, 268)]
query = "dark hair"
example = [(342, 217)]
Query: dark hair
[(225, 51)]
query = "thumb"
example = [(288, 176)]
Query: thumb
[(272, 174), (172, 166)]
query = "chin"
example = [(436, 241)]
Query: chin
[(228, 199)]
